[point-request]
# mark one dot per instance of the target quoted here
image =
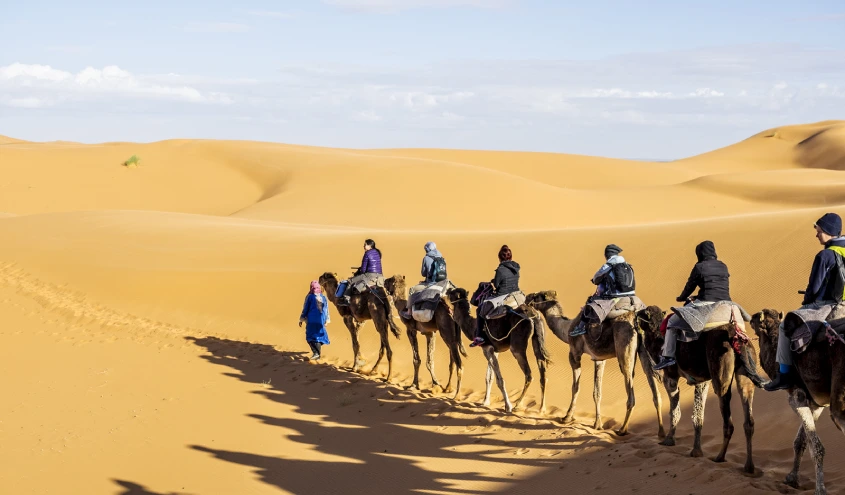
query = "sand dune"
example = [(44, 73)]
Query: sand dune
[(149, 314)]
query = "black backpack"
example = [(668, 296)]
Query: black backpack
[(438, 270), (838, 274), (623, 278)]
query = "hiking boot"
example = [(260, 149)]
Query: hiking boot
[(665, 362), (580, 329), (477, 341), (750, 369), (782, 382)]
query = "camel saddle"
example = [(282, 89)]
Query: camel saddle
[(700, 316), (815, 324), (497, 307), (598, 310), (424, 299)]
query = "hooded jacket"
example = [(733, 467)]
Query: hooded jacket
[(709, 275), (606, 272), (507, 278), (820, 287), (431, 253)]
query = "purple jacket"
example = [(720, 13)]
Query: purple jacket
[(371, 262)]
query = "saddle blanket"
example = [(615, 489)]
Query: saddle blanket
[(695, 318), (497, 307), (598, 310), (808, 322), (424, 298)]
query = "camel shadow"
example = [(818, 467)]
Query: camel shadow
[(379, 435), (136, 489)]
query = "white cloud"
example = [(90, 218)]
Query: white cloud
[(391, 6), (216, 27), (28, 84)]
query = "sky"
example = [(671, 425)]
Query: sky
[(649, 80)]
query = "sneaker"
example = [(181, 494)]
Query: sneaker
[(315, 357), (750, 369), (665, 362), (782, 382), (477, 341), (581, 329)]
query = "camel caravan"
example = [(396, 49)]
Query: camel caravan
[(701, 340)]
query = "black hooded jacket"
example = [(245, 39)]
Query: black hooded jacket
[(710, 275), (507, 278)]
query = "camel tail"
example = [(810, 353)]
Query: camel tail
[(539, 341)]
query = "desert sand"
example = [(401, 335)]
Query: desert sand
[(148, 315)]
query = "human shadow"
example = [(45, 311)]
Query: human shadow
[(377, 437)]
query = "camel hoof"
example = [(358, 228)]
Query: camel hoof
[(661, 434), (598, 426), (543, 412), (668, 442), (718, 460), (621, 433), (486, 403), (696, 453), (508, 410), (447, 390), (792, 480), (749, 468), (567, 420)]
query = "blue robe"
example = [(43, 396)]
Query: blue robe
[(316, 318)]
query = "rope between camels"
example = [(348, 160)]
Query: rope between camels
[(524, 318)]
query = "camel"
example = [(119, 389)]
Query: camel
[(615, 339), (362, 307), (443, 323), (515, 329), (710, 359), (821, 372)]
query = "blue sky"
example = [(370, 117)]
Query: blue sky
[(628, 79)]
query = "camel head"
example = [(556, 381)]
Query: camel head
[(328, 281), (458, 294), (542, 300), (395, 285), (650, 319), (766, 323)]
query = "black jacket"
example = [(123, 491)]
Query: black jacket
[(710, 275), (507, 278), (820, 287)]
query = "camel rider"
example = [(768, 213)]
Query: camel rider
[(712, 279), (614, 279), (821, 291), (370, 272), (504, 282), (433, 270)]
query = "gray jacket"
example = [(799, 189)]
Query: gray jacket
[(431, 253)]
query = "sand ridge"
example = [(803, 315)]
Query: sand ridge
[(149, 314)]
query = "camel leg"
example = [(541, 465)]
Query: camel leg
[(522, 361), (353, 328), (699, 401), (493, 360), (652, 377), (627, 363), (674, 394), (575, 364), (808, 415), (541, 368), (799, 445), (488, 382), (415, 349), (727, 421), (380, 355), (597, 380), (745, 389), (429, 360), (459, 365)]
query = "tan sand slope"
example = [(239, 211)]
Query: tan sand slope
[(148, 315)]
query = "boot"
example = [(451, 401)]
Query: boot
[(749, 366), (665, 362), (782, 382), (579, 329)]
